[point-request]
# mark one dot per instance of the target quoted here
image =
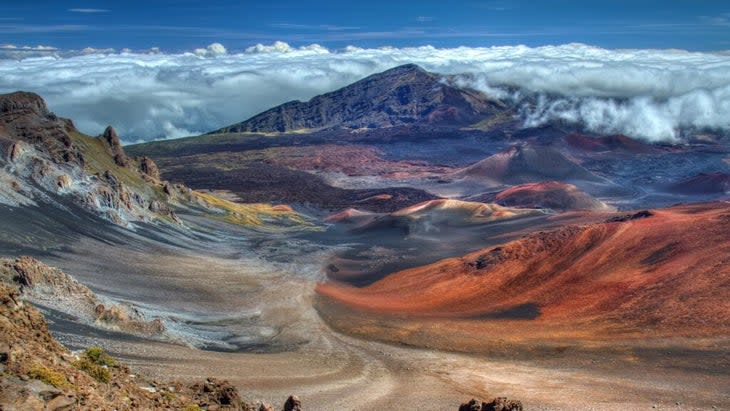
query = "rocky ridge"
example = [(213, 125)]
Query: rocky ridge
[(45, 160), (43, 156)]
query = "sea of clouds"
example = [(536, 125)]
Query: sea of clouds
[(147, 95)]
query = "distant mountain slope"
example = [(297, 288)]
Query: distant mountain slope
[(399, 96), (704, 183), (613, 143)]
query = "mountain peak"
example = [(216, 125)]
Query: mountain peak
[(402, 95), (405, 68)]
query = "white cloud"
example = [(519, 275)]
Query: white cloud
[(145, 95), (91, 50), (215, 49), (276, 47)]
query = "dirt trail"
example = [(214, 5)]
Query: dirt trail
[(331, 371)]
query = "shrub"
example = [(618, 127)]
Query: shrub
[(95, 371), (98, 356), (48, 376)]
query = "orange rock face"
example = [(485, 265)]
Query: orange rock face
[(661, 273)]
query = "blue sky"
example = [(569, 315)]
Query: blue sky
[(184, 25)]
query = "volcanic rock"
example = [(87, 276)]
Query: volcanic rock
[(115, 146), (614, 143), (293, 404), (148, 167), (497, 404), (49, 155), (25, 117)]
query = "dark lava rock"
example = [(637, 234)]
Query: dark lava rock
[(293, 404), (497, 404), (217, 392), (628, 217)]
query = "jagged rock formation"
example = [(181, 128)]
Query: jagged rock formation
[(399, 96), (24, 117), (114, 145), (149, 168), (42, 155), (50, 287)]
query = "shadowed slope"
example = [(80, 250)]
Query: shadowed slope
[(613, 143), (704, 183)]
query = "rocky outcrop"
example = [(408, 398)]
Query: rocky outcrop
[(50, 287), (400, 96), (22, 101), (149, 168), (44, 154), (25, 117), (293, 404), (114, 145)]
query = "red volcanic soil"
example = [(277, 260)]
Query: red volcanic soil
[(548, 194), (607, 143), (705, 183), (665, 272)]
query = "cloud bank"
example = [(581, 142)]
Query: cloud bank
[(650, 94)]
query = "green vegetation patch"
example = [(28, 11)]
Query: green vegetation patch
[(48, 376), (95, 362)]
